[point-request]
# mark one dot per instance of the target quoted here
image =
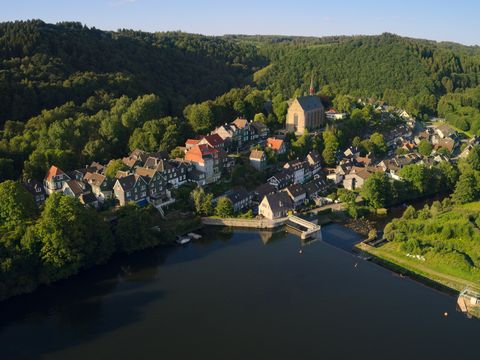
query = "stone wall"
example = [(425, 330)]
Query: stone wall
[(245, 223)]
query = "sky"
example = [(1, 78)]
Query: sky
[(441, 20)]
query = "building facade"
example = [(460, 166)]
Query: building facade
[(305, 113)]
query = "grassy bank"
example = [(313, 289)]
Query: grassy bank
[(391, 258)]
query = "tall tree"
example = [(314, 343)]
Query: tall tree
[(16, 204), (377, 190)]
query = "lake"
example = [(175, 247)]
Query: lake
[(238, 295)]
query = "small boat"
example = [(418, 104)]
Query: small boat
[(182, 240), (194, 236)]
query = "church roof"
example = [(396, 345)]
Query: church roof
[(309, 102)]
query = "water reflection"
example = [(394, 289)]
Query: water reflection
[(232, 296)]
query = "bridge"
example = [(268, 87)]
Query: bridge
[(305, 227)]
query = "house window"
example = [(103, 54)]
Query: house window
[(295, 121), (127, 193)]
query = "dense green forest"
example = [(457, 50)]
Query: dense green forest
[(409, 73), (44, 65)]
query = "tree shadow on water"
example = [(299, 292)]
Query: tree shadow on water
[(70, 312)]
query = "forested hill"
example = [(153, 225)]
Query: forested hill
[(44, 65), (409, 73)]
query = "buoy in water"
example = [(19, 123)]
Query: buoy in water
[(300, 251), (445, 314)]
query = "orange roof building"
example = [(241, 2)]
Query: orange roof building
[(54, 179), (278, 145)]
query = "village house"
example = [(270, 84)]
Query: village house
[(89, 200), (263, 190), (333, 175), (275, 206), (100, 184), (357, 176), (355, 180), (229, 133), (196, 176), (241, 199), (403, 114), (300, 169), (446, 143), (398, 135), (362, 160), (54, 180), (424, 135), (260, 130), (338, 174), (173, 171), (470, 144), (333, 114), (315, 187), (190, 143), (297, 194), (138, 157), (96, 167), (206, 159), (37, 190), (213, 140), (258, 159), (75, 188), (277, 145), (351, 152), (305, 113), (314, 161), (445, 131), (157, 192), (243, 127), (132, 187), (282, 179)]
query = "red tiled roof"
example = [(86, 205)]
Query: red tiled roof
[(274, 143), (197, 152), (52, 172), (192, 142)]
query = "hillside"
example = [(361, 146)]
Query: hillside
[(44, 65), (442, 241), (410, 73)]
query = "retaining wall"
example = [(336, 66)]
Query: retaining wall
[(245, 223)]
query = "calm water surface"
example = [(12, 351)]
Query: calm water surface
[(240, 295)]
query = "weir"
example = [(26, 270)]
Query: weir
[(306, 228)]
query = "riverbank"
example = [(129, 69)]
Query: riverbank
[(449, 284)]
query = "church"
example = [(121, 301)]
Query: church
[(305, 113)]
